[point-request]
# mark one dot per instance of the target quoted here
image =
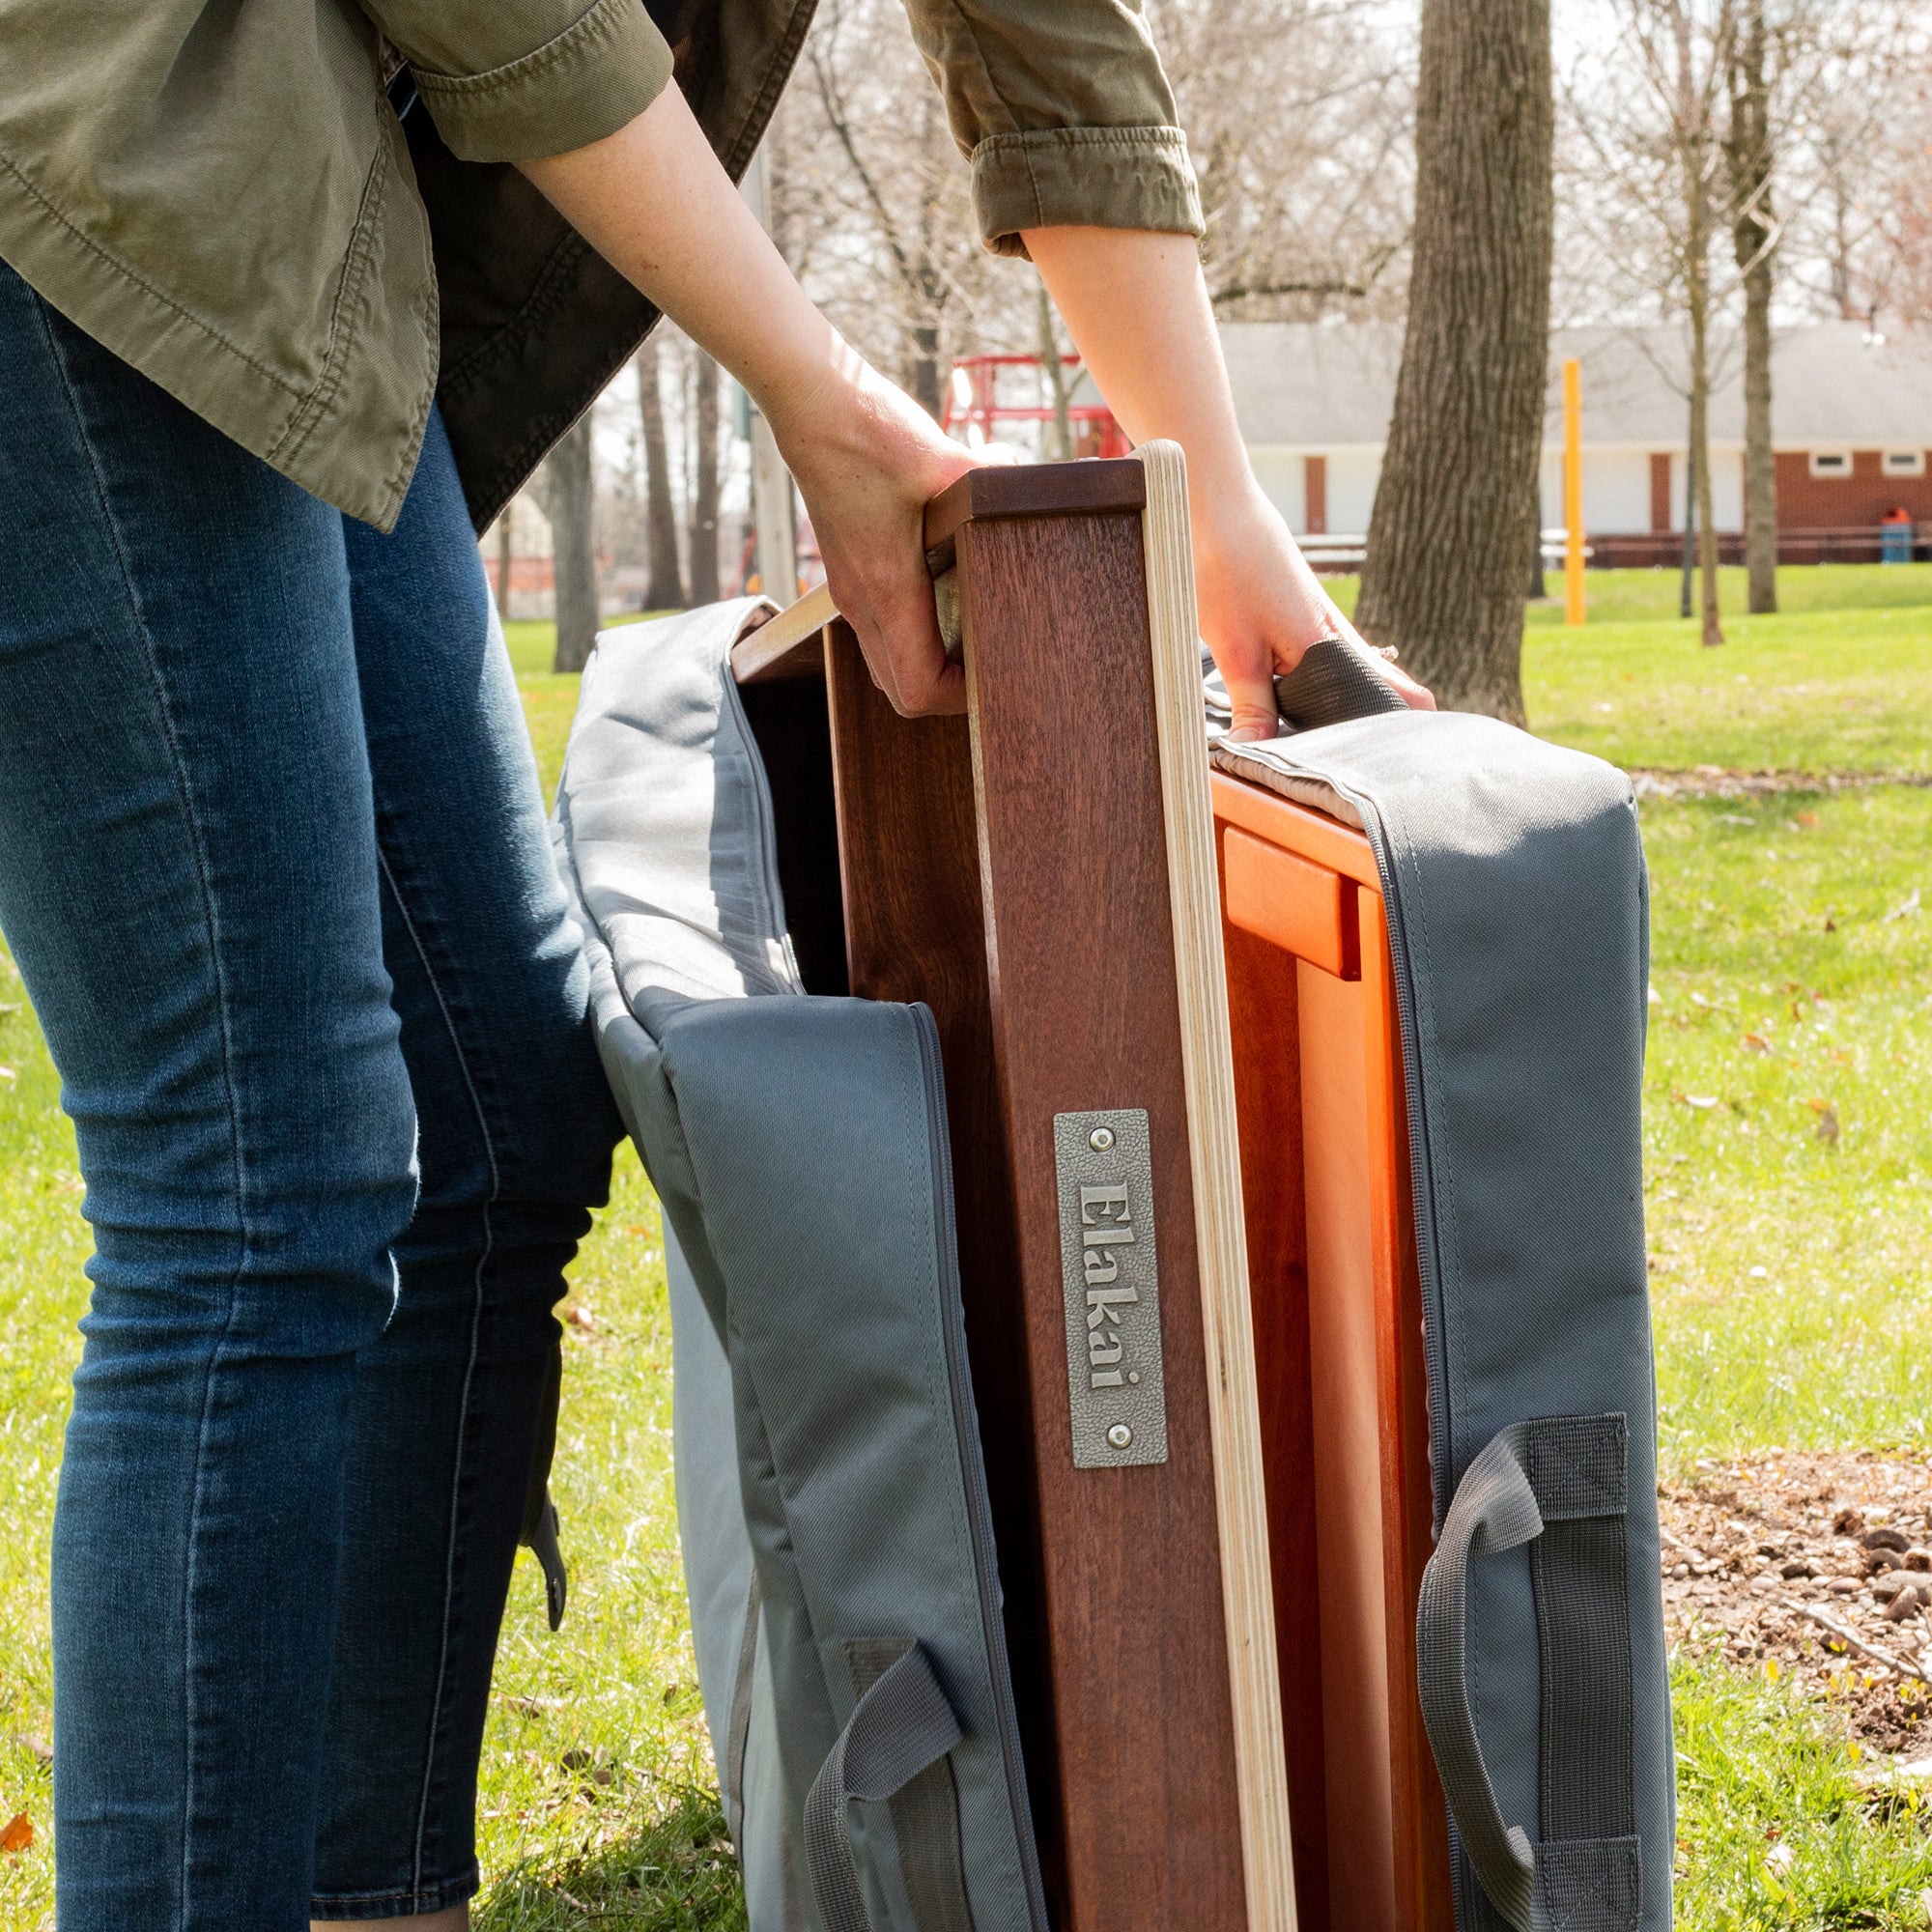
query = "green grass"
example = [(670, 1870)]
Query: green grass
[(598, 1801), (1775, 1826)]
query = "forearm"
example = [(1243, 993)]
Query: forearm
[(1138, 307), (652, 200)]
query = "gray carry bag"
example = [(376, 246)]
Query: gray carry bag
[(833, 1507), (1518, 926)]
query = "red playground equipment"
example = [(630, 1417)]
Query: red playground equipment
[(978, 399)]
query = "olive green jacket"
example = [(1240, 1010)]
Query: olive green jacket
[(222, 192)]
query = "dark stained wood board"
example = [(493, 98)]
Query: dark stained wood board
[(1085, 1016)]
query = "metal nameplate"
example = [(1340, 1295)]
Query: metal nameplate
[(1104, 1165)]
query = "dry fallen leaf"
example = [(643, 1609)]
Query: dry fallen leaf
[(1700, 1099), (1828, 1122), (1755, 1042), (18, 1835), (1808, 819)]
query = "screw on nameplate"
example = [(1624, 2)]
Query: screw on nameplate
[(1110, 1275)]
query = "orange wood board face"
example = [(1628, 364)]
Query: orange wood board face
[(1337, 1306)]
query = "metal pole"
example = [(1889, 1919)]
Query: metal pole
[(1573, 491), (774, 522)]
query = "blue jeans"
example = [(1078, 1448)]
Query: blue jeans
[(274, 869)]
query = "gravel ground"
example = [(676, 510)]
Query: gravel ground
[(1818, 1566)]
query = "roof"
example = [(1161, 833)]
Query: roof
[(1315, 385)]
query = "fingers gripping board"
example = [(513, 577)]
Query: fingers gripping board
[(1041, 873)]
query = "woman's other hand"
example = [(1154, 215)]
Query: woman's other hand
[(1138, 311), (653, 201), (1261, 605)]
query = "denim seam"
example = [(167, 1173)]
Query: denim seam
[(210, 924), (437, 1897), (468, 1367)]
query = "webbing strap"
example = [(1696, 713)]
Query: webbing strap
[(925, 1814), (1558, 1484), (899, 1726), (738, 1739)]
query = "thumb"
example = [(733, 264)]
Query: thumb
[(1251, 697)]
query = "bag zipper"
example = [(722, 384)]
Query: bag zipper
[(972, 1468)]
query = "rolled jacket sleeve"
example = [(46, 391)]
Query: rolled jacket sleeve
[(1064, 113), (510, 82)]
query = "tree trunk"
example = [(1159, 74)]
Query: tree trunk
[(665, 588), (503, 559), (1693, 160), (1754, 241), (923, 383), (570, 504), (1055, 370), (1538, 588), (704, 496), (1444, 574)]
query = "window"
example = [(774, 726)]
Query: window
[(1830, 463), (1905, 463)]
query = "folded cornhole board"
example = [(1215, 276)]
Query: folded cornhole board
[(1035, 873), (1042, 874)]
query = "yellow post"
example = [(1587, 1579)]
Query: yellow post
[(1573, 489)]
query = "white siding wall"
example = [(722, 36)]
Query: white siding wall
[(1282, 475), (1352, 490)]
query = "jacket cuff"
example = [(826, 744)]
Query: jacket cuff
[(597, 75), (1083, 178)]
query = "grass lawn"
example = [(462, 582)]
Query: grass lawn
[(1788, 1122)]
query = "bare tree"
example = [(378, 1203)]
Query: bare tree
[(1748, 156), (569, 502), (665, 586), (703, 545), (1653, 191), (876, 204), (1301, 120), (1444, 574)]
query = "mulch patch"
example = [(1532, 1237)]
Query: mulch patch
[(1815, 1566)]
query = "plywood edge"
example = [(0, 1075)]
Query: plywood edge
[(1220, 1226), (761, 653)]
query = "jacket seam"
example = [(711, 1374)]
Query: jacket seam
[(549, 290), (1028, 141), (593, 22), (303, 425), (111, 260), (784, 57)]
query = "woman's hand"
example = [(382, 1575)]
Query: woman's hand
[(868, 460), (653, 201), (1261, 604)]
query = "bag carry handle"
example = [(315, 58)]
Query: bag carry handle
[(900, 1727), (1557, 1483)]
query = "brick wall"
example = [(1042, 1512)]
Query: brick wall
[(1808, 502)]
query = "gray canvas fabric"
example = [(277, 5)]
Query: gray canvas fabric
[(826, 1440), (1519, 921)]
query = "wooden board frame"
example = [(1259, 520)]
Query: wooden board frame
[(1041, 873), (1338, 1314)]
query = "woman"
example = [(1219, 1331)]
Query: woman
[(272, 857)]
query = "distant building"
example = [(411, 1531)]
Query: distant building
[(1851, 424)]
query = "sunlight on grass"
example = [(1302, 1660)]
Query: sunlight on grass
[(1788, 1141), (1775, 1826)]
